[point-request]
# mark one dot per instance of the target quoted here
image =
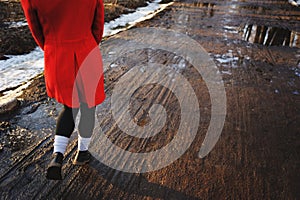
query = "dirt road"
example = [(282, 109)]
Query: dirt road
[(256, 47)]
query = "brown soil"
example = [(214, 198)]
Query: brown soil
[(257, 155)]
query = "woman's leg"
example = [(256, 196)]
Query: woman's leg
[(86, 126), (64, 128)]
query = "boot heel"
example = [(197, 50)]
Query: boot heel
[(54, 173), (82, 158), (54, 168)]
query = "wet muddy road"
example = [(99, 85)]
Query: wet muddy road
[(256, 47)]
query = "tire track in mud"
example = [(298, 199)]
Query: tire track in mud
[(20, 163)]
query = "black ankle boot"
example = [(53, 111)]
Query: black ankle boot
[(82, 157), (54, 167)]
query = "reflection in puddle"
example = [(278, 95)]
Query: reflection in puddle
[(208, 8), (297, 71), (270, 36), (224, 59), (295, 92), (228, 60)]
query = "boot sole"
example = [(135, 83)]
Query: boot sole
[(80, 163), (54, 173)]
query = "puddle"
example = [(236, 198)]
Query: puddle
[(15, 24), (296, 92), (257, 9), (260, 8), (229, 61), (265, 32), (296, 71), (225, 58), (270, 36), (209, 8)]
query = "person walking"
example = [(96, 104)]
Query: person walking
[(69, 32)]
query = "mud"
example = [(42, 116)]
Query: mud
[(256, 156)]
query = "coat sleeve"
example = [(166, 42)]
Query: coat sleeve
[(98, 22), (33, 22)]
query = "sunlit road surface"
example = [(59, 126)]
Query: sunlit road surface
[(255, 47)]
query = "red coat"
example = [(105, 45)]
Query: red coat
[(69, 32)]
